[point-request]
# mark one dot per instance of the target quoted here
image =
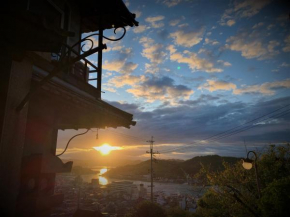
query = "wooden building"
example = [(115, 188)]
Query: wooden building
[(45, 86)]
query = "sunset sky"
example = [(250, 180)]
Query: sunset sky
[(191, 70)]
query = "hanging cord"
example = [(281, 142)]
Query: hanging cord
[(70, 140), (97, 131)]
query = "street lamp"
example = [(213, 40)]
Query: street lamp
[(248, 164)]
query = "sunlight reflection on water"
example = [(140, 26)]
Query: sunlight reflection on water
[(103, 180), (168, 188), (102, 171)]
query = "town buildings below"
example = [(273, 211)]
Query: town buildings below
[(113, 199)]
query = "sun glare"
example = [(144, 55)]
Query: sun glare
[(105, 149), (103, 171)]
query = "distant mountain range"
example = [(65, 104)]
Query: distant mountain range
[(97, 163), (172, 168)]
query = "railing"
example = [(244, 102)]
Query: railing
[(81, 70), (66, 61)]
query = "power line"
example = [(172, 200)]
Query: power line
[(251, 121), (218, 136), (151, 152), (230, 132), (189, 146)]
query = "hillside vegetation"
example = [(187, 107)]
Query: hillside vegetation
[(173, 168)]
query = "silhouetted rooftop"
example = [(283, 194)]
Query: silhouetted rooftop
[(113, 14)]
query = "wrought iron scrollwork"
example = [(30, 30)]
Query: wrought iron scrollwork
[(92, 44), (87, 39), (117, 39)]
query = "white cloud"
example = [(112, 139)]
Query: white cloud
[(187, 39), (213, 85), (211, 42), (171, 3), (155, 21), (120, 66), (251, 46), (127, 3), (125, 79), (161, 89), (272, 45), (231, 22), (224, 63), (153, 52), (242, 9), (139, 29), (108, 88), (171, 49), (267, 88), (194, 62), (138, 13), (111, 46), (183, 25), (151, 68), (284, 65), (174, 22), (115, 65)]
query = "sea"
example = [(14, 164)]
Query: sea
[(166, 188)]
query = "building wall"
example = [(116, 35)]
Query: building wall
[(16, 77)]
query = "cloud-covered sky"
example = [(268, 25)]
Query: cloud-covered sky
[(193, 69)]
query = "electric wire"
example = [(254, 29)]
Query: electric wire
[(213, 138), (237, 131), (71, 140), (228, 135)]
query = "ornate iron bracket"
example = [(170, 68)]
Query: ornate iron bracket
[(87, 38)]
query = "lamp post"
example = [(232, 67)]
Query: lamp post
[(248, 164)]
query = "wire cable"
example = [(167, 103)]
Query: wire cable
[(71, 140), (228, 133)]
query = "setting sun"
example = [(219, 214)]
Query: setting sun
[(105, 149)]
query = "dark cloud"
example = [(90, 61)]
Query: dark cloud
[(195, 120), (202, 99), (162, 89), (164, 82)]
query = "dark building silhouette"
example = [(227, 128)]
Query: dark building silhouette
[(44, 87)]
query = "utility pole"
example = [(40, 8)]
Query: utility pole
[(151, 164)]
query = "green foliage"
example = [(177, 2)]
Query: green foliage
[(234, 190), (164, 168), (212, 162), (172, 168), (178, 212), (147, 209), (275, 199), (211, 205)]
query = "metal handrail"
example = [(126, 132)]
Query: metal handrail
[(88, 64)]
